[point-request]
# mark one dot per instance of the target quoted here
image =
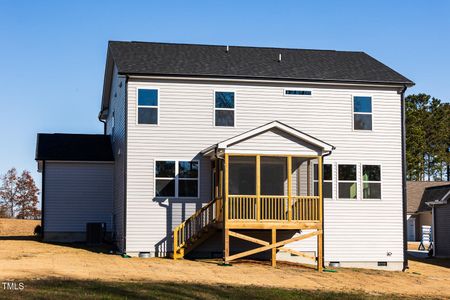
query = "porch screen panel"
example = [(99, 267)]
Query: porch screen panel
[(273, 176), (242, 175)]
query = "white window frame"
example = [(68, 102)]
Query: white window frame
[(358, 188), (362, 113), (331, 181), (363, 181), (297, 89), (228, 109), (176, 178), (147, 106)]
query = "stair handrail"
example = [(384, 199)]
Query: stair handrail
[(193, 225)]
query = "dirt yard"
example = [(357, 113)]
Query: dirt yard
[(27, 260), (14, 227)]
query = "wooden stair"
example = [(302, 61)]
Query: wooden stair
[(196, 229)]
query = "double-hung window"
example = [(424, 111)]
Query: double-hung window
[(147, 106), (327, 187), (347, 182), (188, 179), (371, 176), (224, 109), (165, 178), (176, 178), (362, 113)]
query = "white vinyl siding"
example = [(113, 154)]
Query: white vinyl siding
[(77, 193), (185, 130)]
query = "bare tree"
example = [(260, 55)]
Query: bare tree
[(19, 195)]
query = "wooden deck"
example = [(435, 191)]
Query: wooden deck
[(255, 212)]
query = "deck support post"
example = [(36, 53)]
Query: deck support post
[(320, 235), (226, 246), (175, 244), (274, 250)]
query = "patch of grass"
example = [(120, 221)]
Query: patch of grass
[(78, 289)]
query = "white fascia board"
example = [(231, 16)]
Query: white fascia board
[(276, 124)]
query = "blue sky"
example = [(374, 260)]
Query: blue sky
[(52, 53)]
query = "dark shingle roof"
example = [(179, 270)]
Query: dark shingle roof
[(434, 193), (143, 58), (73, 147), (419, 192)]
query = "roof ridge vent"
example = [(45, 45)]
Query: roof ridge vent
[(279, 57)]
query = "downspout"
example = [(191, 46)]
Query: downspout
[(323, 208), (125, 171), (103, 121), (404, 195)]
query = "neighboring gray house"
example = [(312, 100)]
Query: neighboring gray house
[(440, 205), (236, 151), (418, 213)]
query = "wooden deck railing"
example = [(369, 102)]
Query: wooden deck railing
[(273, 208), (194, 225)]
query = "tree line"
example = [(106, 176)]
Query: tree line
[(18, 196), (427, 138)]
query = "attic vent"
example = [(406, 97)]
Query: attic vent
[(297, 92), (382, 263)]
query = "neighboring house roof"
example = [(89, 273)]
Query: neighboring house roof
[(434, 195), (190, 60), (74, 147), (419, 192)]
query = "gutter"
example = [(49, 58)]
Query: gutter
[(404, 195)]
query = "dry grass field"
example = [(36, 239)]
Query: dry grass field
[(14, 227), (58, 271)]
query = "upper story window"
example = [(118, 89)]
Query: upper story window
[(224, 109), (297, 92), (371, 176), (176, 178), (362, 113), (147, 106), (347, 183), (327, 187)]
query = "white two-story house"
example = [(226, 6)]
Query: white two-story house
[(232, 152)]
